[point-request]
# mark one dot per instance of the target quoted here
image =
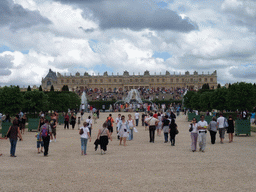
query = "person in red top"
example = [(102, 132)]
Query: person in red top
[(110, 122), (148, 108), (66, 121), (155, 115)]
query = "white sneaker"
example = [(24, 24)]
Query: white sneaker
[(50, 141), (55, 140)]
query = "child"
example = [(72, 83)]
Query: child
[(78, 123), (39, 142)]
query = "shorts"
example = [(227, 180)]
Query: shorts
[(54, 131), (222, 132), (38, 143), (110, 128)]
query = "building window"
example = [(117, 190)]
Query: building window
[(62, 81), (171, 80), (157, 80), (95, 80), (205, 79), (136, 80), (73, 81), (152, 80), (101, 80), (177, 79), (163, 80), (211, 79), (90, 80), (120, 80), (200, 79), (67, 80), (49, 83), (82, 81), (109, 80), (141, 80), (130, 80), (115, 80), (191, 80), (183, 80)]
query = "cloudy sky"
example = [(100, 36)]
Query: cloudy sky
[(116, 35)]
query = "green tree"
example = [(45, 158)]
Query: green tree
[(40, 88), (218, 86), (206, 86), (187, 99), (195, 101), (219, 99), (35, 101), (65, 88), (241, 96), (29, 89), (11, 100), (205, 101), (52, 88)]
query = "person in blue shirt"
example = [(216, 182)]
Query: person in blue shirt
[(252, 118)]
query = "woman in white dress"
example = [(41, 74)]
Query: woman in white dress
[(123, 130)]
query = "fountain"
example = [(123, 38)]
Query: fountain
[(133, 97), (83, 102)]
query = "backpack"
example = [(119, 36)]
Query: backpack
[(109, 123), (173, 116), (45, 130)]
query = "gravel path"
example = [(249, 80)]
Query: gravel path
[(140, 166)]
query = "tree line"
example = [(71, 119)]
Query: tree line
[(12, 100), (238, 96)]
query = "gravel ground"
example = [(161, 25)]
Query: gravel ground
[(140, 166)]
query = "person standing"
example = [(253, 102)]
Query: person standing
[(123, 130), (143, 118), (73, 120), (131, 126), (202, 126), (103, 136), (66, 121), (173, 131), (213, 129), (137, 117), (89, 124), (152, 122), (110, 122), (46, 133), (14, 133), (252, 120), (165, 127), (41, 122), (118, 119), (159, 126), (53, 124), (84, 138), (194, 134), (221, 126), (22, 123), (230, 130)]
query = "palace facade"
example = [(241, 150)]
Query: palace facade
[(126, 81)]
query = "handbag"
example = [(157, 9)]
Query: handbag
[(81, 131), (177, 131), (226, 123), (191, 128)]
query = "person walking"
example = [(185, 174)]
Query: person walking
[(84, 138), (53, 124), (131, 126), (159, 126), (152, 122), (202, 126), (46, 134), (212, 127), (221, 127), (89, 122), (230, 130), (14, 133), (118, 119), (41, 122), (103, 136), (194, 134), (110, 122), (173, 131), (143, 118), (73, 120), (137, 117), (123, 130), (66, 121), (165, 127)]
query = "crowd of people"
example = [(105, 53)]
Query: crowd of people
[(163, 120)]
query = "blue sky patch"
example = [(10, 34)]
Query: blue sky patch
[(163, 55), (162, 4), (102, 68), (5, 48), (92, 44)]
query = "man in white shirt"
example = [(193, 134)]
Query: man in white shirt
[(221, 126), (89, 121), (136, 117), (152, 122), (201, 127)]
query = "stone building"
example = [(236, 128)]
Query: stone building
[(126, 81)]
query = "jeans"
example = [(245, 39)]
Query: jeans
[(130, 134), (90, 131), (202, 141), (142, 121), (46, 144), (137, 122), (172, 138), (213, 136), (166, 137), (66, 124), (13, 146), (83, 144), (152, 130)]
